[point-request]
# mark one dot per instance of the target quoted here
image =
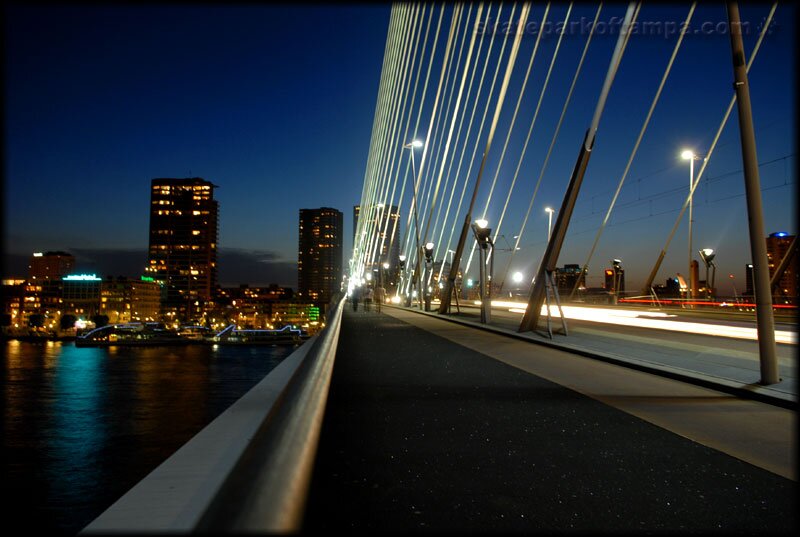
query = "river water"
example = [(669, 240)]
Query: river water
[(81, 426)]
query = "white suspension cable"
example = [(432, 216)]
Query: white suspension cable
[(553, 141), (656, 98)]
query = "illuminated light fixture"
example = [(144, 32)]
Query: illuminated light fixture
[(778, 234), (415, 143), (687, 154), (402, 259), (428, 252), (707, 255), (37, 254), (481, 223), (517, 277), (396, 299), (386, 266), (82, 277)]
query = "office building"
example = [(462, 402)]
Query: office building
[(777, 247), (319, 261), (50, 265), (124, 299), (183, 244), (82, 295)]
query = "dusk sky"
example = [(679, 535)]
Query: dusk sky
[(275, 105)]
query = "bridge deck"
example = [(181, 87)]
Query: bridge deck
[(497, 434)]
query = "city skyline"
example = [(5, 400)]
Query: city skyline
[(287, 130)]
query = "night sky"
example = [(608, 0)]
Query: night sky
[(275, 104)]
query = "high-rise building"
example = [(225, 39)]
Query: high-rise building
[(356, 211), (385, 235), (45, 271), (319, 261), (50, 265), (777, 246), (183, 243)]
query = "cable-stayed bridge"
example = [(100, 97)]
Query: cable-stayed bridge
[(480, 131), (495, 390)]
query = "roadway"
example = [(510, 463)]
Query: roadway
[(662, 343), (436, 425)]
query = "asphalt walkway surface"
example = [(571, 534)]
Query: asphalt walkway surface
[(422, 433)]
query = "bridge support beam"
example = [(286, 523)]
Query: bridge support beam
[(531, 318), (758, 247)]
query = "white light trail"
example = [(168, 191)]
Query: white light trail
[(650, 319)]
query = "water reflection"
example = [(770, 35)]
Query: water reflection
[(81, 426)]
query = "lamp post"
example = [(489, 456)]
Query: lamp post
[(428, 251), (517, 278), (385, 273), (411, 146), (549, 211), (617, 266), (689, 155), (483, 237), (407, 301), (707, 255)]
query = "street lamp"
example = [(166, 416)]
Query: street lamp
[(484, 239), (549, 211), (688, 154), (517, 278), (411, 146), (428, 251), (707, 255), (617, 266), (402, 264)]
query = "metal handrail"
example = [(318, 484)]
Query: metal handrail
[(249, 469), (266, 492)]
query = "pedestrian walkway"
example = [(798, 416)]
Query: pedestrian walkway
[(432, 425)]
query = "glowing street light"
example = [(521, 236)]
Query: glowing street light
[(707, 255), (483, 237), (688, 154), (428, 251), (549, 211), (411, 146)]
